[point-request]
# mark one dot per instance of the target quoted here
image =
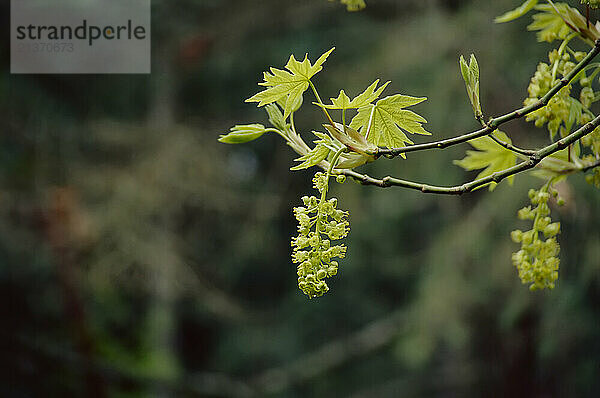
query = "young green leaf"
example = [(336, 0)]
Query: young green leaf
[(288, 85), (314, 157), (489, 156), (470, 73), (341, 102), (385, 123), (241, 134), (351, 138), (276, 117), (517, 12), (557, 21), (370, 94)]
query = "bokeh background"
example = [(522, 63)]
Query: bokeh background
[(141, 258)]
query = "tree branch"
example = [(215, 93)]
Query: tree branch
[(494, 123), (533, 160), (511, 147)]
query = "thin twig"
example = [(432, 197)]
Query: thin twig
[(511, 147)]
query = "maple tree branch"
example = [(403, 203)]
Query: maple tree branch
[(511, 147), (494, 123), (530, 163)]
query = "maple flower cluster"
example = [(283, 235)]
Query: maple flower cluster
[(562, 111), (593, 142), (591, 3), (319, 223), (537, 261)]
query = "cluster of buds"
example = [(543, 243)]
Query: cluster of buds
[(562, 110), (591, 3), (537, 261), (319, 223)]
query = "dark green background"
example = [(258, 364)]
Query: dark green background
[(139, 257)]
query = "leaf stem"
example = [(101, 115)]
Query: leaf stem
[(370, 123), (332, 165), (318, 98), (274, 130)]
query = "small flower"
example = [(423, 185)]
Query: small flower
[(319, 223), (537, 262)]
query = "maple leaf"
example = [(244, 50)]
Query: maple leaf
[(490, 156), (385, 122), (370, 94), (288, 86)]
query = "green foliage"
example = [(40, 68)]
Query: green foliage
[(319, 224), (537, 261), (591, 3), (382, 127), (558, 21), (517, 12), (490, 156), (288, 86), (470, 73), (353, 140), (563, 112), (550, 24), (241, 134), (312, 158), (555, 20), (385, 122), (364, 99)]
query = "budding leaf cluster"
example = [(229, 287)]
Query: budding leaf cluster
[(241, 134), (537, 261), (319, 224), (470, 73)]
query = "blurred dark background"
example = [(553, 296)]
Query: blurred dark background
[(139, 257)]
